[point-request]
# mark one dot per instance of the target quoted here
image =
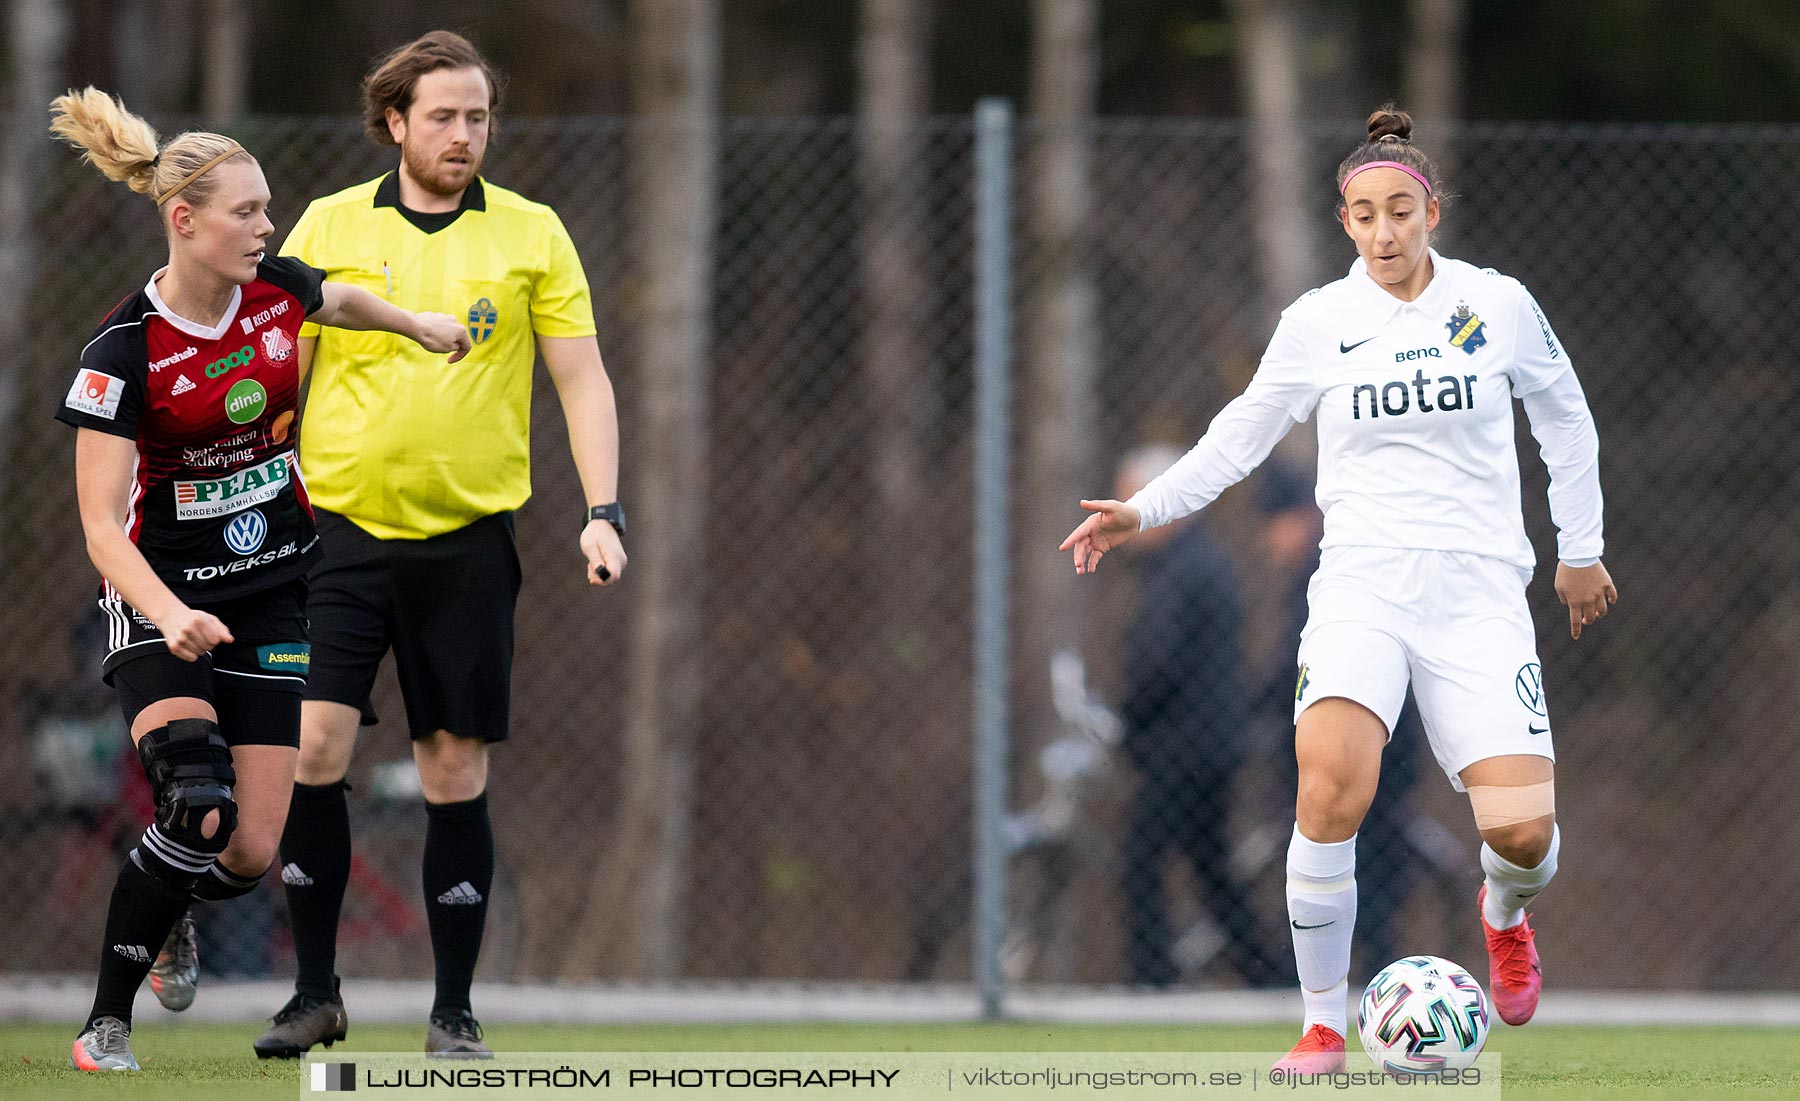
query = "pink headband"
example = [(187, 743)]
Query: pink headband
[(1385, 164)]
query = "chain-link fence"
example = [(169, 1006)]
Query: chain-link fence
[(830, 819)]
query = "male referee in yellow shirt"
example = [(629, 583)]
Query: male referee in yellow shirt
[(414, 470)]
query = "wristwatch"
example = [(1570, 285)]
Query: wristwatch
[(613, 514)]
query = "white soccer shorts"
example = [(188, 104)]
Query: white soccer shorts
[(1455, 625)]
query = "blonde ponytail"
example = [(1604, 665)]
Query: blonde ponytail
[(121, 145), (125, 149)]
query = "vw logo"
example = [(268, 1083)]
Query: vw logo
[(245, 534), (1530, 686)]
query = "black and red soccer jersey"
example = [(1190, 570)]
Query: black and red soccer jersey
[(217, 505)]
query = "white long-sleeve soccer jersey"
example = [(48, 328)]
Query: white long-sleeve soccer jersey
[(1414, 401)]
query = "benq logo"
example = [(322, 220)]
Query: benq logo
[(1418, 353), (1453, 393), (245, 534)]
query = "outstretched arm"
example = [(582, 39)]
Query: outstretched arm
[(347, 307)]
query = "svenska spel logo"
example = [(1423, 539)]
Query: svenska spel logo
[(333, 1077)]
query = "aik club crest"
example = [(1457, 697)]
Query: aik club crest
[(1467, 330), (482, 319)]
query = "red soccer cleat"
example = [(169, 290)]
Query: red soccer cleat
[(1320, 1051), (1514, 975)]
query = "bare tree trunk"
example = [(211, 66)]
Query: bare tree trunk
[(225, 78), (1434, 68), (37, 33), (1269, 43), (1060, 324), (894, 54), (154, 45), (633, 913)]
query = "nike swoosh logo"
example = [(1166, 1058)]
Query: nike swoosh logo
[(1342, 347), (1537, 730), (1297, 925)]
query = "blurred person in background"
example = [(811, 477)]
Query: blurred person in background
[(196, 517), (1424, 561), (415, 473), (1385, 873), (1184, 706)]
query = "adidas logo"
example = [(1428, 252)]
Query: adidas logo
[(182, 385), (136, 953), (463, 894), (294, 877)]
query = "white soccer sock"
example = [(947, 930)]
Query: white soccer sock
[(1510, 887), (1321, 898)]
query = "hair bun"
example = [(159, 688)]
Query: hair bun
[(1390, 122)]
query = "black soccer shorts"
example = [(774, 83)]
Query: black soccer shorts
[(254, 682), (444, 605)]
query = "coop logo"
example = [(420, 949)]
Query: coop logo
[(1530, 685), (204, 500), (224, 569), (97, 394), (245, 534), (243, 357), (186, 353)]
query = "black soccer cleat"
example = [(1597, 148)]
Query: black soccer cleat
[(303, 1022)]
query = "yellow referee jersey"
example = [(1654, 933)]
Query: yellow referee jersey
[(397, 440)]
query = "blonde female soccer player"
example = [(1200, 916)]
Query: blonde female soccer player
[(196, 518), (1411, 363)]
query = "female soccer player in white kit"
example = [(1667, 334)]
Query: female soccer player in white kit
[(1411, 362)]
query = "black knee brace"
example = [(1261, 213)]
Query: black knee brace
[(189, 768)]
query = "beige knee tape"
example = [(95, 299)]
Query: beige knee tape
[(1496, 806)]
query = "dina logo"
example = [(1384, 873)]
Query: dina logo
[(245, 533), (245, 401)]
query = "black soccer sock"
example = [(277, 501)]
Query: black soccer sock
[(144, 908), (459, 873), (220, 883), (315, 869)]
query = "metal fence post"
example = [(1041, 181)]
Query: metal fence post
[(993, 355)]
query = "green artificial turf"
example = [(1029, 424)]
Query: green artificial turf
[(184, 1062)]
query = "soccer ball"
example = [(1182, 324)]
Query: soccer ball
[(1423, 1015)]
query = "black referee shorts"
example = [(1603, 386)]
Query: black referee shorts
[(444, 605), (253, 682)]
